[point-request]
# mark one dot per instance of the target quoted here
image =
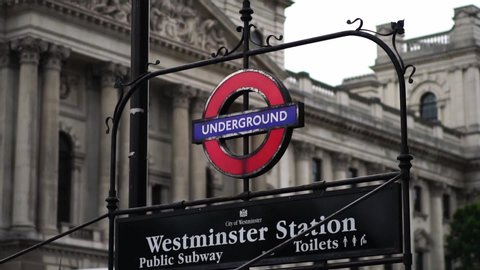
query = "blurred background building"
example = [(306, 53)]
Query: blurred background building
[(58, 64)]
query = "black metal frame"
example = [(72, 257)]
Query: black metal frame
[(246, 16)]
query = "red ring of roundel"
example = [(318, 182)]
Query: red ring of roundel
[(276, 140)]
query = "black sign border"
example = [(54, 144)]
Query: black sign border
[(282, 260)]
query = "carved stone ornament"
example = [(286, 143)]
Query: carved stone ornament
[(29, 49), (68, 83), (5, 55), (181, 95), (178, 20), (118, 10), (109, 72), (54, 56)]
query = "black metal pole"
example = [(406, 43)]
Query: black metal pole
[(405, 165), (139, 104), (246, 17), (138, 123)]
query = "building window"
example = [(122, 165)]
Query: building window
[(157, 192), (352, 172), (446, 206), (316, 169), (417, 199), (428, 107), (419, 260), (64, 178)]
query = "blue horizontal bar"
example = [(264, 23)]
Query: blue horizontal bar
[(255, 121)]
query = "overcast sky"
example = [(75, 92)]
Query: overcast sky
[(331, 61)]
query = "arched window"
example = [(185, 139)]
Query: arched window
[(428, 107), (65, 161)]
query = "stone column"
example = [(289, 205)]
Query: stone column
[(303, 162), (198, 160), (108, 99), (374, 168), (286, 168), (49, 138), (340, 163), (25, 168), (7, 124), (327, 170), (436, 223), (181, 142)]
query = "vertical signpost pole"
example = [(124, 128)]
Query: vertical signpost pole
[(139, 104), (405, 165), (246, 17)]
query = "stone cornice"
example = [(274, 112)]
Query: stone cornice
[(81, 12), (388, 136), (384, 64), (106, 18), (61, 249)]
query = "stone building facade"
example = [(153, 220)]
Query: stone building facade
[(58, 64)]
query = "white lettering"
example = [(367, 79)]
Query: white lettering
[(281, 228), (257, 120), (283, 116), (159, 243), (333, 226), (241, 122), (142, 262), (205, 129), (274, 117), (154, 242), (249, 121), (213, 127), (221, 126), (229, 125), (337, 226), (349, 225)]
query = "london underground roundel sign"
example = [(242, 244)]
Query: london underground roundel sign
[(277, 120)]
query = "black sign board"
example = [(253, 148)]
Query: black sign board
[(225, 236)]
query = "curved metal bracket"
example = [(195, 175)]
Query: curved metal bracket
[(267, 40), (223, 51), (397, 29)]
